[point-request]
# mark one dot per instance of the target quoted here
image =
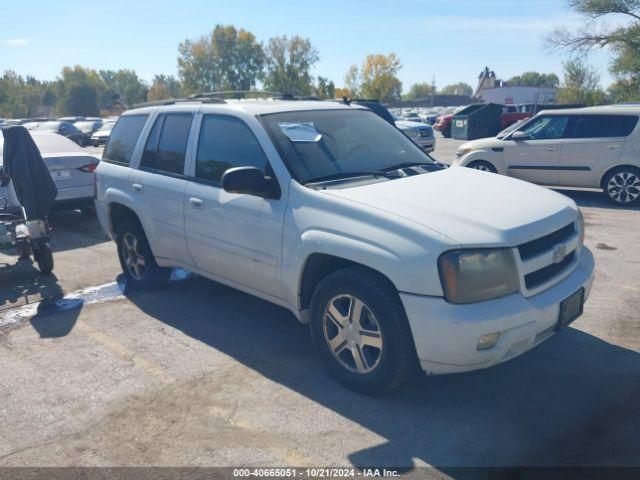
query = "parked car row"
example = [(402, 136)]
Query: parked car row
[(80, 130)]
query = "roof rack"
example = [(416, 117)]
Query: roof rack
[(202, 98)]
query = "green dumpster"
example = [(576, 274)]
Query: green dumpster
[(479, 120)]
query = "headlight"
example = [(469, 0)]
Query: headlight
[(464, 151), (469, 276)]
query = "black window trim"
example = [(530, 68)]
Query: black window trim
[(124, 164), (575, 116), (157, 171), (218, 184)]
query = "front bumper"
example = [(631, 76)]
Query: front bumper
[(446, 335)]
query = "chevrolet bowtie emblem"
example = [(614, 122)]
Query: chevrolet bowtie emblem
[(559, 253)]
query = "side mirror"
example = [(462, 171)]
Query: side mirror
[(247, 180), (519, 136)]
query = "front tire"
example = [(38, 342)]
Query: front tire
[(482, 166), (136, 259), (622, 186), (361, 332)]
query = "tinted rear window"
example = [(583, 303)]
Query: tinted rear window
[(123, 138), (599, 126), (173, 142)]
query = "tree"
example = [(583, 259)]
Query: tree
[(621, 38), (341, 92), (460, 88), (227, 59), (78, 91), (163, 87), (377, 78), (353, 82), (581, 84), (324, 88), (288, 65), (420, 90), (124, 85), (535, 79)]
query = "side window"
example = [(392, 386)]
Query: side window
[(150, 153), (603, 126), (547, 128), (123, 139), (172, 146), (226, 142)]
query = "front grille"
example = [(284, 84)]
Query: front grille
[(539, 277), (425, 133), (542, 244)]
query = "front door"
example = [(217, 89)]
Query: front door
[(236, 238), (536, 158)]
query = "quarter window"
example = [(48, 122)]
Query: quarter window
[(172, 146), (123, 139), (603, 126), (226, 142)]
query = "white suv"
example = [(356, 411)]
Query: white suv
[(595, 147), (332, 213)]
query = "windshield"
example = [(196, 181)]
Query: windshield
[(107, 127), (339, 142), (84, 126)]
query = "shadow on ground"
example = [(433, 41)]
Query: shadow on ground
[(21, 282), (572, 401), (591, 198), (72, 230)]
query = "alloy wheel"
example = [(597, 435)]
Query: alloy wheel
[(352, 333), (624, 187), (133, 259)]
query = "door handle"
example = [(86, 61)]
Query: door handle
[(195, 202), (552, 149), (138, 187), (612, 147)]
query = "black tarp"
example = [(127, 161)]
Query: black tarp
[(31, 179)]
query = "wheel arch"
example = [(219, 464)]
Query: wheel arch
[(318, 265), (614, 169)]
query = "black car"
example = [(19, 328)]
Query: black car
[(65, 129), (88, 127)]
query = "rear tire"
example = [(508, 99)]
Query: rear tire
[(622, 186), (372, 352), (137, 260), (483, 166), (43, 255)]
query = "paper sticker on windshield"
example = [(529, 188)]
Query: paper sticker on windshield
[(300, 132)]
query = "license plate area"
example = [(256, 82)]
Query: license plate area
[(570, 309), (61, 175)]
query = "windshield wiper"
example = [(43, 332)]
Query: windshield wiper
[(347, 175), (400, 166)]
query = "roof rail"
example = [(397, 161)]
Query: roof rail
[(173, 101), (239, 94)]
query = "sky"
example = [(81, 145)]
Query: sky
[(451, 40)]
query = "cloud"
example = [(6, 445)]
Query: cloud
[(15, 42)]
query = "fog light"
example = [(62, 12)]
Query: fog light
[(487, 341)]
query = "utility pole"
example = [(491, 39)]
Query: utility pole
[(433, 89)]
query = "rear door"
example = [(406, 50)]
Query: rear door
[(159, 185), (537, 158), (595, 144)]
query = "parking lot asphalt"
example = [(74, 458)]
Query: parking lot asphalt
[(198, 374)]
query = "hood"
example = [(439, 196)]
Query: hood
[(482, 143), (405, 124), (472, 208)]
